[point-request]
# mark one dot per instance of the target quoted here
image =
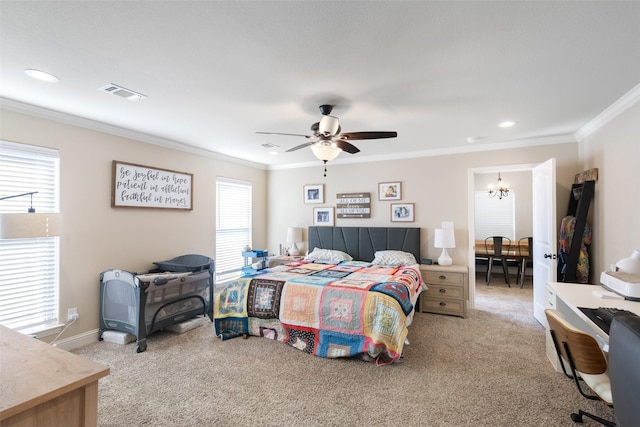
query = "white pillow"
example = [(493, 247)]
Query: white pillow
[(328, 255), (394, 258)]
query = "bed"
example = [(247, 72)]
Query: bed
[(353, 296)]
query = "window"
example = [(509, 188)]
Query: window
[(495, 217), (233, 226), (29, 267)]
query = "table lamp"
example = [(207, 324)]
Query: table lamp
[(31, 224), (294, 235), (445, 239)]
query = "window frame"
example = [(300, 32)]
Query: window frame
[(230, 232), (493, 216), (30, 268)]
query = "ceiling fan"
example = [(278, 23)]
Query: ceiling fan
[(328, 141)]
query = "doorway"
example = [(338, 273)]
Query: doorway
[(478, 179)]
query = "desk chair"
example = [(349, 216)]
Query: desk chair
[(624, 354), (501, 247), (524, 259), (586, 360)]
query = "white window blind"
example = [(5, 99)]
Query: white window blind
[(495, 217), (29, 267), (233, 226)]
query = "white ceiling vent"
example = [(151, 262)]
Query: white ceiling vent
[(122, 92)]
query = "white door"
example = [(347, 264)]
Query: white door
[(544, 234)]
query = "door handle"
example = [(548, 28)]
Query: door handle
[(552, 256)]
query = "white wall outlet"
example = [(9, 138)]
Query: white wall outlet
[(72, 314), (447, 224)]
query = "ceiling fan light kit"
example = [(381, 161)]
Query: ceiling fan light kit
[(327, 141), (325, 151)]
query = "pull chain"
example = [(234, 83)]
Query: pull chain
[(325, 168)]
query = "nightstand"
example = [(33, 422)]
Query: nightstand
[(448, 289), (282, 260)]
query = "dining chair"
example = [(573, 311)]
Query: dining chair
[(524, 257), (499, 252)]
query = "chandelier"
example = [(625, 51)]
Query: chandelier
[(501, 191)]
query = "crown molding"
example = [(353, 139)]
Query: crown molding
[(480, 145), (70, 119), (620, 106), (472, 148)]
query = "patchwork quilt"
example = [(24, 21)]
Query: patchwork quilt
[(351, 309)]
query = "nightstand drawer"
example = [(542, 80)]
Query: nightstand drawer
[(443, 278), (444, 306), (444, 291)]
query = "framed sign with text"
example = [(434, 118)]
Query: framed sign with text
[(141, 186), (353, 205)]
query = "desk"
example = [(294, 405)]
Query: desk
[(41, 385), (567, 297)]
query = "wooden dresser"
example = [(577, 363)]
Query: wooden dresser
[(448, 289), (41, 385)]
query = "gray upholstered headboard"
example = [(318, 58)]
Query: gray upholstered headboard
[(362, 242)]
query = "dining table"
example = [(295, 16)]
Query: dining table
[(517, 251)]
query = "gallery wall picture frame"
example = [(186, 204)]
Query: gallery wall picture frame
[(314, 193), (323, 217), (390, 191), (402, 212)]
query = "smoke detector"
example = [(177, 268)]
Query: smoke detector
[(122, 92)]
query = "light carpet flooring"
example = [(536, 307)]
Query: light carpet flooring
[(489, 369)]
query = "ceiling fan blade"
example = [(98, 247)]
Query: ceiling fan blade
[(368, 135), (286, 134), (346, 147), (297, 147)]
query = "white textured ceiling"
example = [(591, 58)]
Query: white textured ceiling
[(216, 72)]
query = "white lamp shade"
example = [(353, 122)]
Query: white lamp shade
[(325, 151), (444, 238), (294, 235), (30, 225)]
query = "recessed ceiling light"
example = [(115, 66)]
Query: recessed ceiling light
[(274, 153), (507, 124), (270, 145), (471, 139), (41, 75)]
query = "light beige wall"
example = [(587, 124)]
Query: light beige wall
[(437, 185), (98, 237), (615, 150)]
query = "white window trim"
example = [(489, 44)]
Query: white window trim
[(229, 261), (12, 252), (493, 216)]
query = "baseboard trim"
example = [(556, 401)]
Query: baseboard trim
[(78, 341)]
